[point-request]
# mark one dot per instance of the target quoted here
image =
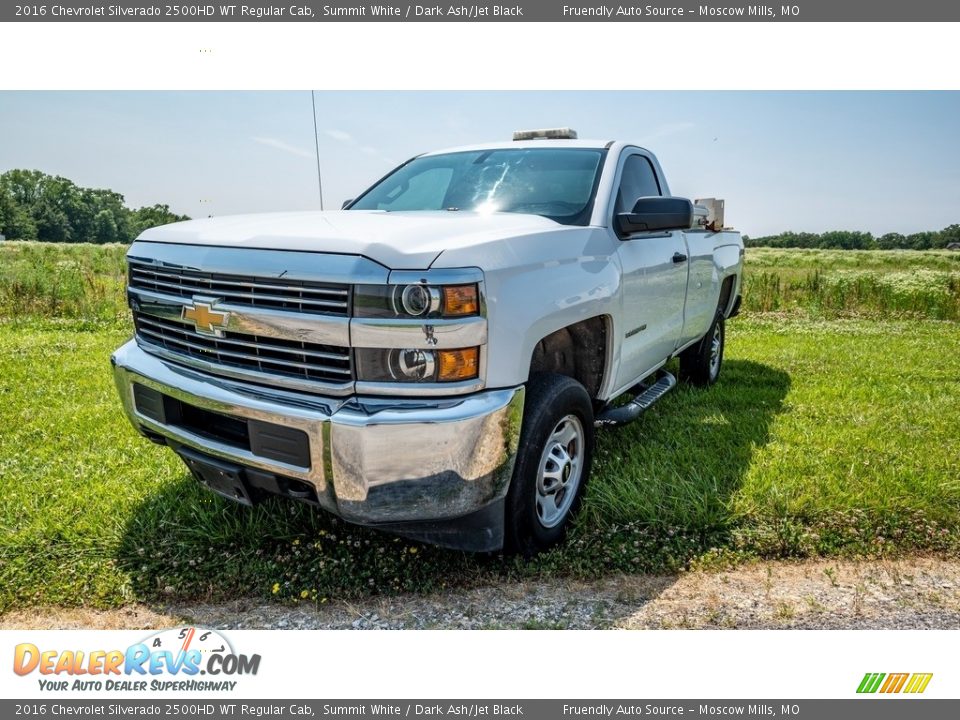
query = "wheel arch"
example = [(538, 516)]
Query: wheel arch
[(582, 351), (726, 299)]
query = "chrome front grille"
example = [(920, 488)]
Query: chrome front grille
[(266, 359), (253, 291)]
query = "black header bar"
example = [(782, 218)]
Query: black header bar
[(523, 11)]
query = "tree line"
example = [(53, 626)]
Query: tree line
[(855, 240), (37, 206)]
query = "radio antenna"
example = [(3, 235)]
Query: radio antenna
[(316, 144)]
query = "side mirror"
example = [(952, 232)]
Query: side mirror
[(656, 213), (346, 204)]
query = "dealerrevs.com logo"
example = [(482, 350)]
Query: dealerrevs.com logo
[(182, 659)]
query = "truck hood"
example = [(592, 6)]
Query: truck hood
[(397, 240)]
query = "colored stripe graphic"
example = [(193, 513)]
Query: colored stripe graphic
[(918, 683), (870, 682), (894, 683)]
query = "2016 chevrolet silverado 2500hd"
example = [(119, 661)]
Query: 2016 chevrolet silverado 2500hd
[(432, 359)]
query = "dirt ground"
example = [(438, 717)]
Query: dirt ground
[(906, 593)]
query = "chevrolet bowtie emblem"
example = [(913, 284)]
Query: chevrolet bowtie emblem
[(207, 320)]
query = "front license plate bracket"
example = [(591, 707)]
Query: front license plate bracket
[(221, 477)]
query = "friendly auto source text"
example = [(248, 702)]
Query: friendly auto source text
[(611, 11)]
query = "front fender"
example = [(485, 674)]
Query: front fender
[(552, 280)]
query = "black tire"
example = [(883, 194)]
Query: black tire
[(698, 363), (537, 519)]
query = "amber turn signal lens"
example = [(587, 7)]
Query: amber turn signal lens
[(460, 300), (458, 364)]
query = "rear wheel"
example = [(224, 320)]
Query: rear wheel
[(553, 463), (700, 364)]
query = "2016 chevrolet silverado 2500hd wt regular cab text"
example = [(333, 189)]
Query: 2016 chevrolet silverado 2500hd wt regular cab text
[(432, 359)]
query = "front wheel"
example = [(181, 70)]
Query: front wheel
[(553, 463), (700, 364)]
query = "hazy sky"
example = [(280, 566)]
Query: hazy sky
[(883, 162)]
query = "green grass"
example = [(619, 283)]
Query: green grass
[(832, 432), (62, 280), (87, 281), (854, 283), (823, 437)]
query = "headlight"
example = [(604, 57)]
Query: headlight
[(416, 300), (412, 365), (416, 365)]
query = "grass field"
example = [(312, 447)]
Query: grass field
[(864, 283), (87, 282), (57, 280), (832, 432)]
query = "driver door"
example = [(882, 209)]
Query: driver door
[(654, 266)]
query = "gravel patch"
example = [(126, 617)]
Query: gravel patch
[(909, 593)]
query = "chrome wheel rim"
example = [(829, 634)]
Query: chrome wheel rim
[(716, 346), (558, 476)]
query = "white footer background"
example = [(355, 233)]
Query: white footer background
[(534, 664)]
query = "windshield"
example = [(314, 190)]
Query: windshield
[(557, 183)]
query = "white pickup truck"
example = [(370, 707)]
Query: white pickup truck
[(433, 359)]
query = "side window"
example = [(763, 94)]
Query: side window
[(637, 180)]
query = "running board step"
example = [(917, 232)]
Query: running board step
[(617, 416)]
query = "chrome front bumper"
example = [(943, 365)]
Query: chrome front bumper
[(435, 468)]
